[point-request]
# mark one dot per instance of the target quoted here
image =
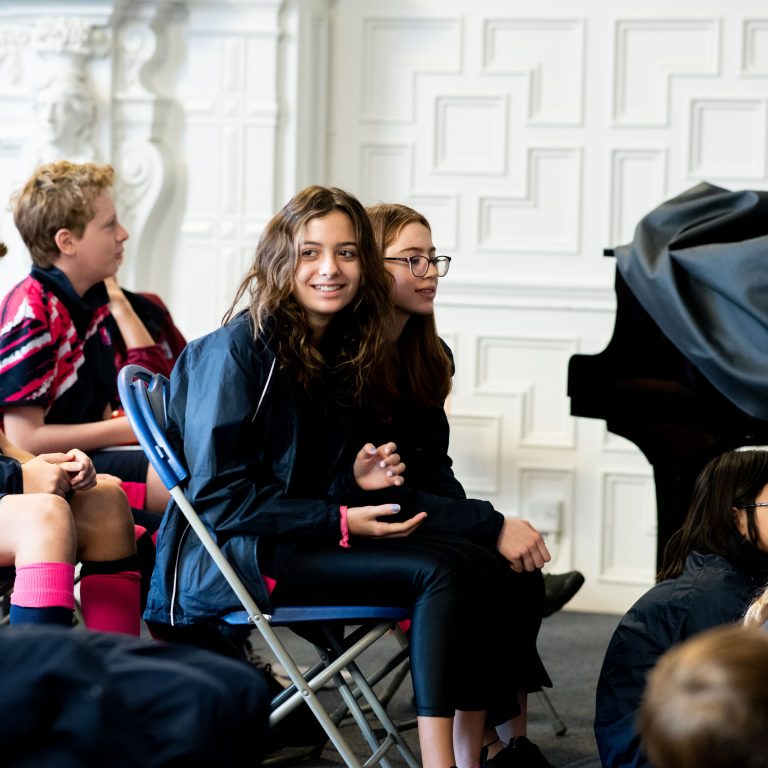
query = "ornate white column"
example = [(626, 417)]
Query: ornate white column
[(142, 105)]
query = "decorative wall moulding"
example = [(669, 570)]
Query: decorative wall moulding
[(546, 216), (510, 294), (442, 213), (754, 60), (627, 528), (649, 54), (470, 134), (546, 481), (475, 442), (638, 184), (423, 45), (531, 368), (727, 138), (549, 53), (384, 171)]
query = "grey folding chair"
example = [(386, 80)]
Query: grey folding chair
[(144, 397)]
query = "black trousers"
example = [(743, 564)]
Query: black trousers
[(473, 618)]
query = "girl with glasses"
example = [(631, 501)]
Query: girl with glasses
[(416, 421), (713, 567)]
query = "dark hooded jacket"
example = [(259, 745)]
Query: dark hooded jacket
[(233, 416), (422, 435), (710, 592)]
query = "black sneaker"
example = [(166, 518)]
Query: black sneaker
[(522, 753)]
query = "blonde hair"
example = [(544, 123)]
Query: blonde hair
[(360, 330), (425, 368), (59, 195), (706, 704), (757, 613)]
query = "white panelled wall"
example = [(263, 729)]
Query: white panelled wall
[(531, 134)]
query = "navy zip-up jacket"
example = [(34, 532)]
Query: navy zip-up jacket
[(233, 418)]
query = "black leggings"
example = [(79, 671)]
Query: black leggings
[(465, 638)]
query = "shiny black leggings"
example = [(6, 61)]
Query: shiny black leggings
[(469, 649)]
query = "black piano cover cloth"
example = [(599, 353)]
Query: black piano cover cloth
[(698, 264)]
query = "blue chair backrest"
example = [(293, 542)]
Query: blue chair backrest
[(144, 396)]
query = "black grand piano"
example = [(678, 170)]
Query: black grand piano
[(685, 374)]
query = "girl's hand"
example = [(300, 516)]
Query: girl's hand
[(522, 545), (377, 468), (46, 473), (362, 521), (82, 473)]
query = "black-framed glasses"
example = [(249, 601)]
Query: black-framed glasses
[(753, 505), (420, 264)]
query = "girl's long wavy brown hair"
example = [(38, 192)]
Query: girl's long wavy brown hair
[(359, 333), (425, 368), (728, 481)]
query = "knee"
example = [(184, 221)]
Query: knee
[(50, 517), (104, 522)]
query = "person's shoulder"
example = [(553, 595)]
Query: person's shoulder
[(708, 566), (27, 299), (153, 297), (235, 339)]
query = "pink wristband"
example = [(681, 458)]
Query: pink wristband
[(344, 528)]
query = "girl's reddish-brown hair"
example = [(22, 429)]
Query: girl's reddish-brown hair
[(425, 368)]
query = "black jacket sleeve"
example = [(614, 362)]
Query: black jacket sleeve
[(11, 479)]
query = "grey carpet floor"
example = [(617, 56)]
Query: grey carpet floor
[(572, 646)]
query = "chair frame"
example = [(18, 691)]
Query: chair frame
[(144, 397)]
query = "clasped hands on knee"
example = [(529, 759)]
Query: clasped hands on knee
[(376, 468), (58, 473)]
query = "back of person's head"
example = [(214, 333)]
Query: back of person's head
[(726, 483), (706, 703), (59, 195), (269, 285)]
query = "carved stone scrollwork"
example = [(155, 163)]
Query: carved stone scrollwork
[(12, 41), (136, 45), (71, 36), (65, 105), (140, 117), (140, 183)]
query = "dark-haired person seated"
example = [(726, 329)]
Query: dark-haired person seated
[(712, 569)]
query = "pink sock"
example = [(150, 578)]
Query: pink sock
[(43, 585), (136, 493), (111, 602)]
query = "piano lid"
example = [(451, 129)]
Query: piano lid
[(698, 264)]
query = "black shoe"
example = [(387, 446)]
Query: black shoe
[(559, 588), (522, 753)]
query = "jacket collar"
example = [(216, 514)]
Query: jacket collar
[(80, 308)]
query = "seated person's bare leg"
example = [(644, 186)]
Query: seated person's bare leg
[(157, 493), (38, 537), (110, 582), (36, 528)]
